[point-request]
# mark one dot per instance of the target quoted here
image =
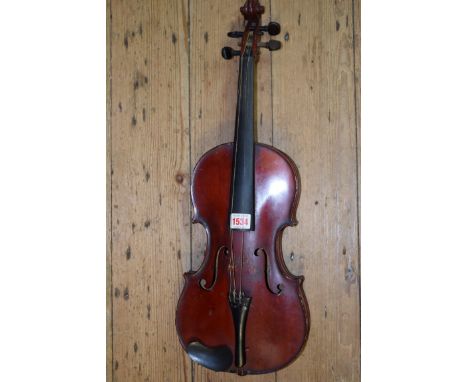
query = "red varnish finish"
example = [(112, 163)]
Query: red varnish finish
[(277, 325)]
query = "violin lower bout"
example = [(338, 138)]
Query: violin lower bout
[(277, 320)]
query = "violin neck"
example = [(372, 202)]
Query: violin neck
[(245, 99), (243, 193)]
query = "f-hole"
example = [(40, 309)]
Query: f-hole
[(279, 287), (215, 277)]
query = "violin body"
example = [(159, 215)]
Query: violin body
[(242, 311), (278, 308)]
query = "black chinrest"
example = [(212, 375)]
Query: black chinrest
[(217, 358)]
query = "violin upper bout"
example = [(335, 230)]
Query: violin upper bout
[(211, 185), (277, 186)]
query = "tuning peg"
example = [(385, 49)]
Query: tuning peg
[(235, 34), (271, 45), (273, 28), (229, 53)]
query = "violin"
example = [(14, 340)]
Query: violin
[(242, 311)]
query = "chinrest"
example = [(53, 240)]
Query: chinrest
[(217, 358)]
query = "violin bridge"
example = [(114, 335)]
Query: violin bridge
[(240, 308)]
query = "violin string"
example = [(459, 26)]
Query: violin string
[(233, 263), (239, 90), (232, 279), (241, 292)]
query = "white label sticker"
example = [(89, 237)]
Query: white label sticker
[(240, 221)]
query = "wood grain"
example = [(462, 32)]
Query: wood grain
[(109, 339), (171, 98), (357, 84), (150, 187), (316, 126)]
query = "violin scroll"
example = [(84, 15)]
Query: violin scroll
[(253, 32), (252, 10)]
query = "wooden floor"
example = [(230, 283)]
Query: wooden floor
[(171, 98)]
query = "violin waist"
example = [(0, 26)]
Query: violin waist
[(272, 319)]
